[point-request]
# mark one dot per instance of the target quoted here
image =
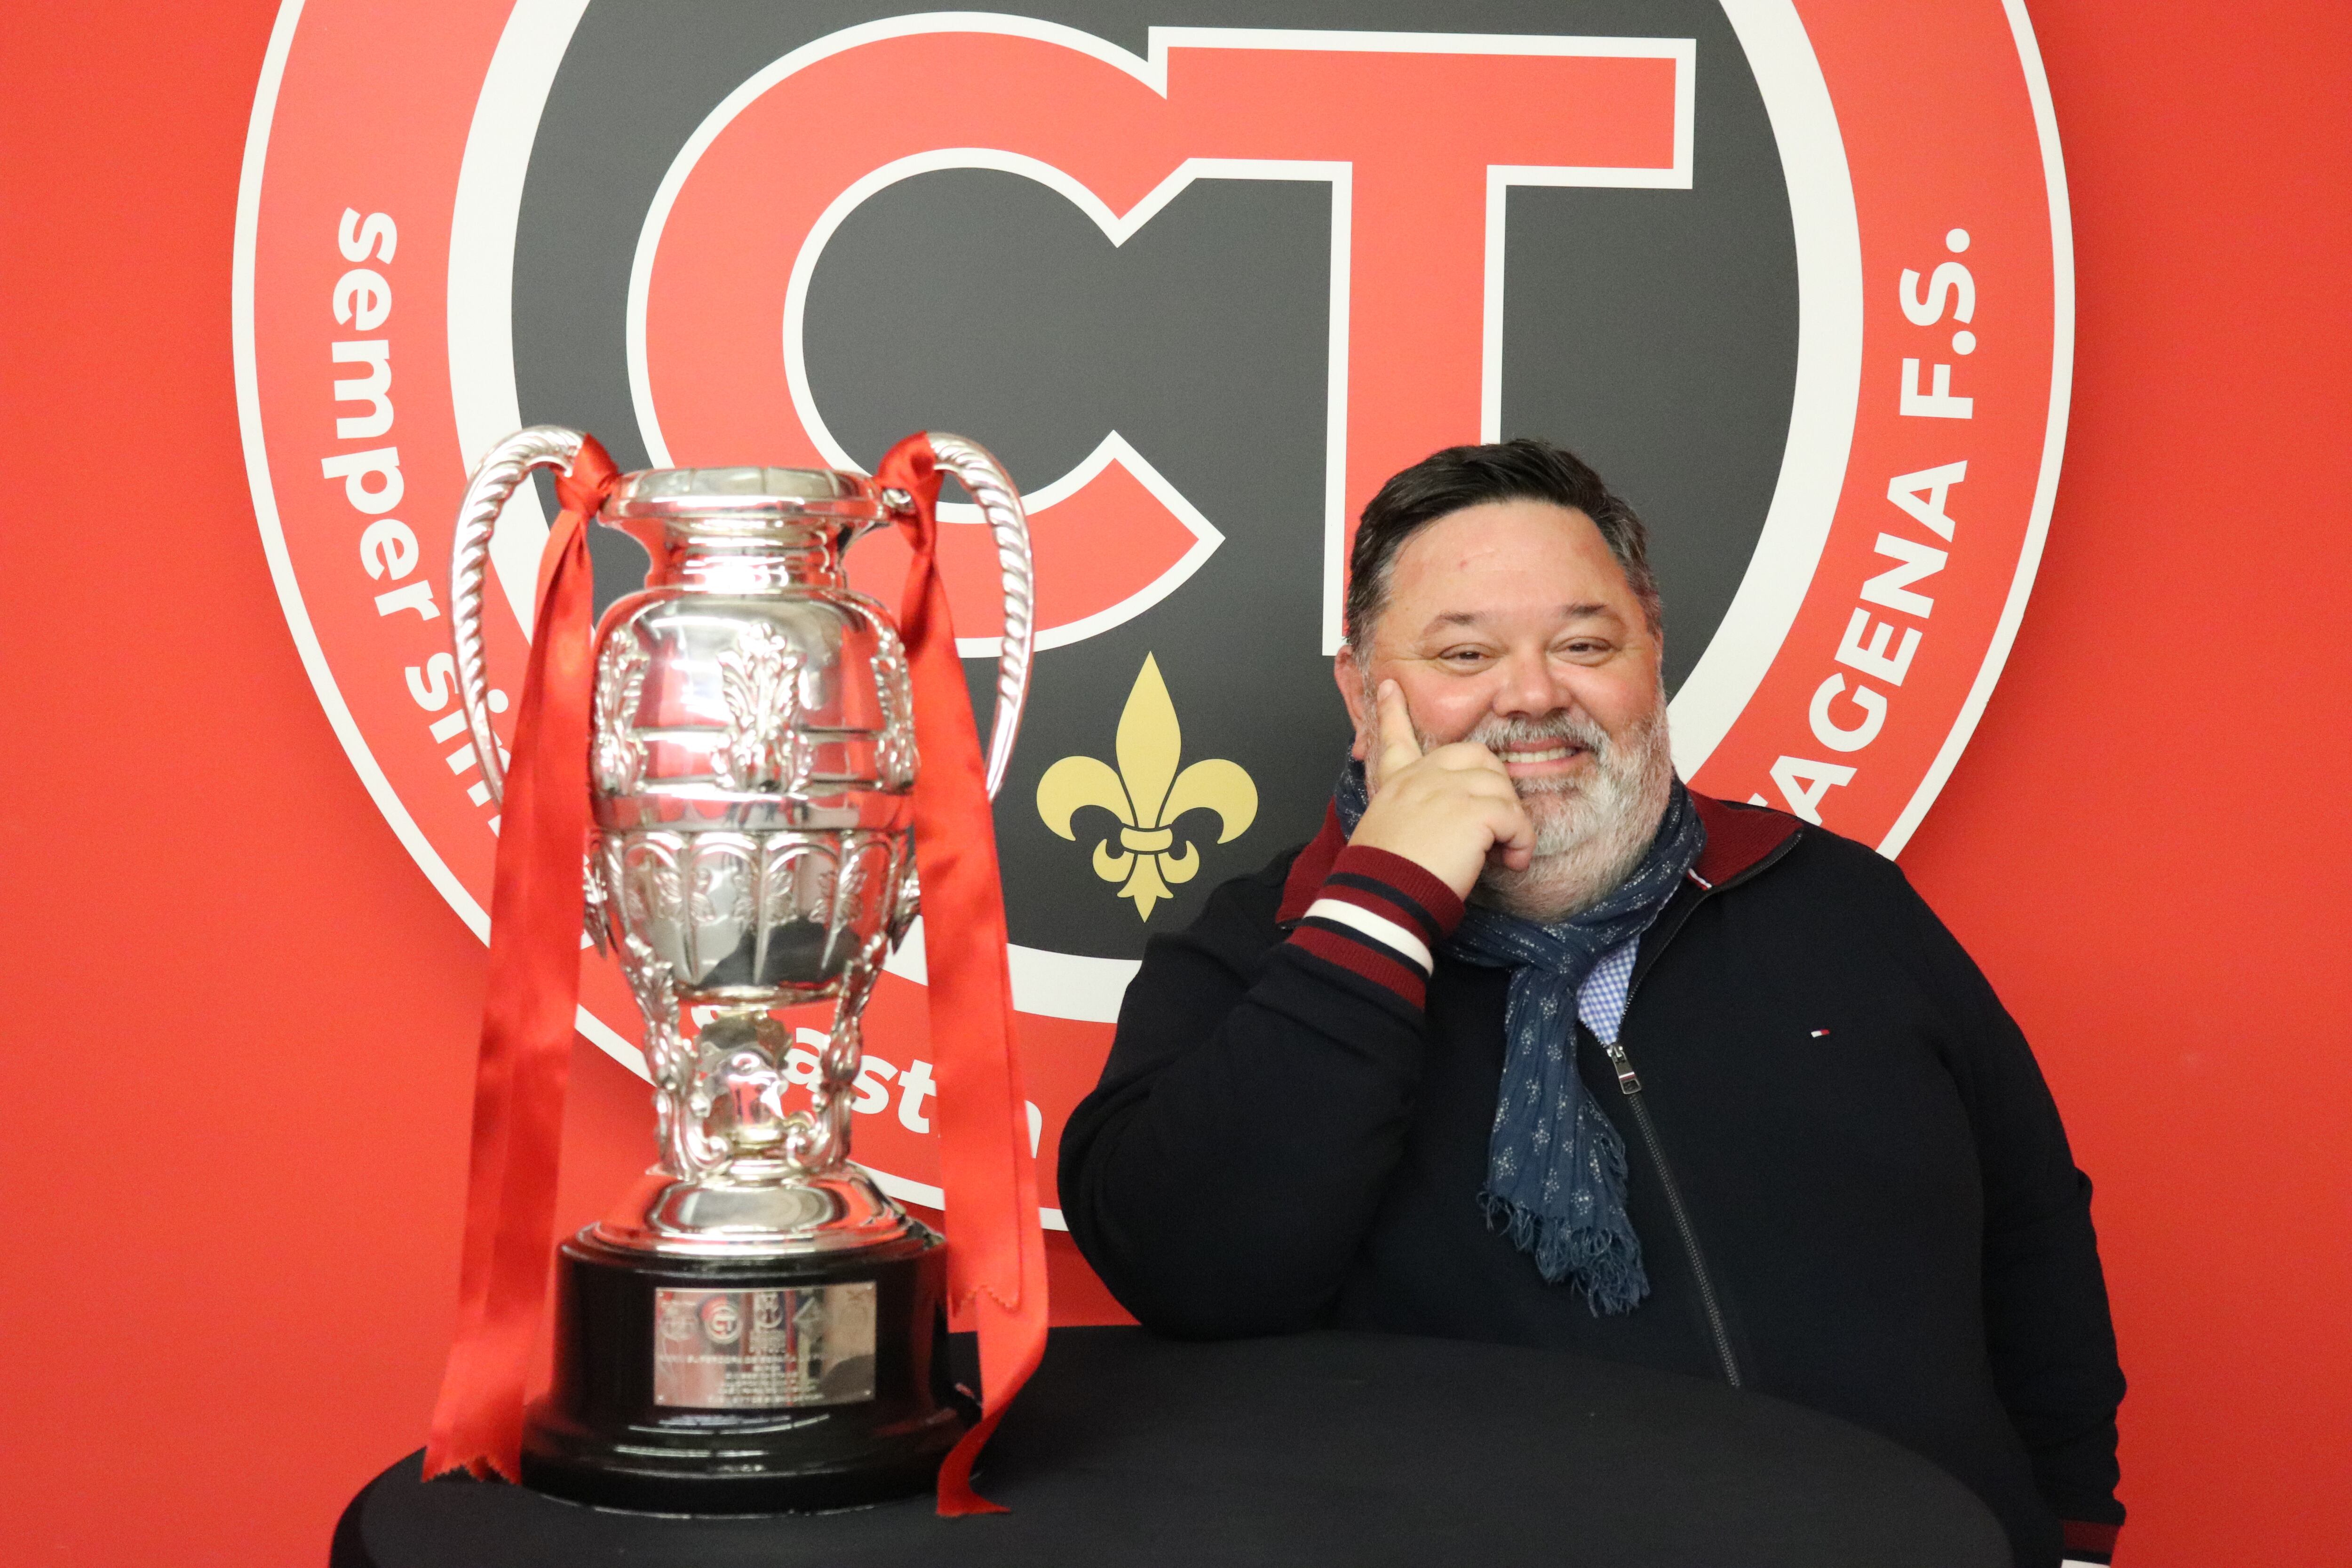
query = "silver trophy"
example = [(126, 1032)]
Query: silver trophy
[(757, 1325)]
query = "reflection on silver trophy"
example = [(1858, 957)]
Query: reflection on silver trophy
[(751, 768)]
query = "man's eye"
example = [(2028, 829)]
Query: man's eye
[(1462, 655)]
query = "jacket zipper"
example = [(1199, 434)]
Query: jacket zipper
[(1629, 1085)]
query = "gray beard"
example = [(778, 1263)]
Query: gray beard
[(1590, 833)]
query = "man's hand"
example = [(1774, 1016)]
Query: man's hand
[(1446, 810)]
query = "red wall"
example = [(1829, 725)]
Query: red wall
[(239, 1022)]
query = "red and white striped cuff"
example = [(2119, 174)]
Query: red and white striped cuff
[(1380, 916)]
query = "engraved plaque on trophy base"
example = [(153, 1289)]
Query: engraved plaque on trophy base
[(746, 1385)]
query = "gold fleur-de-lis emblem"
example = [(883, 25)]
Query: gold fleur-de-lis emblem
[(1149, 796)]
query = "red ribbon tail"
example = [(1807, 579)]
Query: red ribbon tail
[(528, 1018), (996, 1251)]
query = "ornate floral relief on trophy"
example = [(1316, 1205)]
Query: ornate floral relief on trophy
[(760, 678), (893, 748), (620, 751)]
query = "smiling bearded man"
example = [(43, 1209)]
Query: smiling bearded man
[(1389, 1082)]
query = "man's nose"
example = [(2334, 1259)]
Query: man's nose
[(1528, 688)]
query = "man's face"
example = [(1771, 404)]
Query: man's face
[(1510, 624)]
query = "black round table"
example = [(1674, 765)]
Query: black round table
[(1320, 1449)]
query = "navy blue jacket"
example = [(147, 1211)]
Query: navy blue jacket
[(1878, 1214)]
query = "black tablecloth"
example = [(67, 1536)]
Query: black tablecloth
[(1322, 1448)]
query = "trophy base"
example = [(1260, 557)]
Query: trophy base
[(746, 1385)]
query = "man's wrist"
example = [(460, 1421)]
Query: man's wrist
[(1381, 917), (1442, 850)]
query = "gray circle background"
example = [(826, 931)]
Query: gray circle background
[(1654, 332)]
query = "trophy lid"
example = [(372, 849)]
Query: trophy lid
[(747, 495)]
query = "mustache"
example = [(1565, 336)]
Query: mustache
[(1494, 732)]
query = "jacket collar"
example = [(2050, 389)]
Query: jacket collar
[(1313, 867), (1739, 840)]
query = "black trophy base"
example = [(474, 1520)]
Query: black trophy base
[(746, 1385)]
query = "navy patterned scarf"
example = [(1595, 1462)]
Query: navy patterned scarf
[(1555, 1165)]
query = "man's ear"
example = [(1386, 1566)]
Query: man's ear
[(1350, 675)]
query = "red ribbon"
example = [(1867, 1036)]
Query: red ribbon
[(536, 901), (996, 1252), (997, 1260)]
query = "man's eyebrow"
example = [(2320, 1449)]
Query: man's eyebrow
[(1591, 610)]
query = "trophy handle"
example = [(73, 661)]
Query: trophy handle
[(509, 464), (999, 504)]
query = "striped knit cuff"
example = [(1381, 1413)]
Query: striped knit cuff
[(1380, 916), (2089, 1542)]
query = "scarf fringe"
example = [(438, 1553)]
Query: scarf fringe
[(1604, 1258)]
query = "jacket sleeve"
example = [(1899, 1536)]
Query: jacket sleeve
[(1222, 1175), (2048, 1333)]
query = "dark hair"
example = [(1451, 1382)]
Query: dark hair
[(1444, 482)]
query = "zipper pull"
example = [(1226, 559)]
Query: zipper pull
[(1627, 1082)]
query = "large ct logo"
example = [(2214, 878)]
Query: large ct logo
[(1794, 274)]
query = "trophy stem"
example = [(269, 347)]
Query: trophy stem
[(834, 1092)]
